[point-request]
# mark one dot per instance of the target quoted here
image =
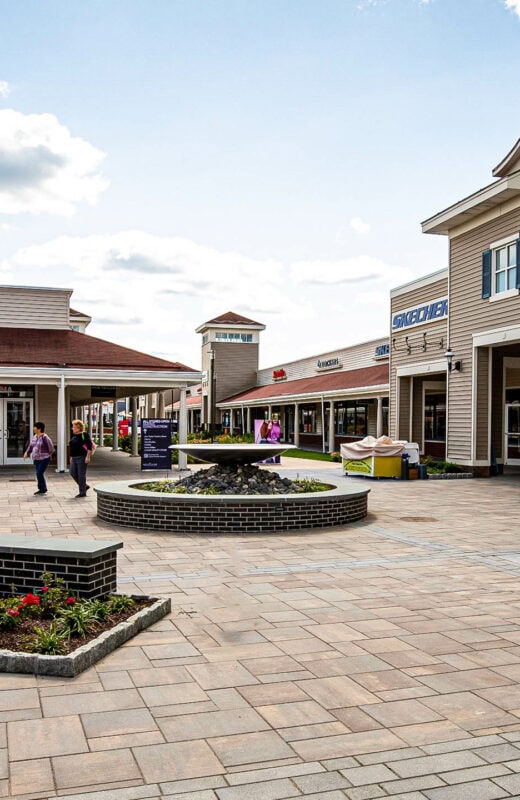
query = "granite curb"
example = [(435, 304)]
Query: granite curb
[(88, 654)]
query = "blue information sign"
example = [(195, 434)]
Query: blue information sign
[(156, 437)]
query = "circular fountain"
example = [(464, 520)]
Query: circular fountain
[(165, 508)]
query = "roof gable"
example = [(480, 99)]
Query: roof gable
[(509, 164), (231, 318)]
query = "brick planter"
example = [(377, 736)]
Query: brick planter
[(121, 504), (87, 566)]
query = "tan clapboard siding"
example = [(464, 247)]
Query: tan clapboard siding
[(32, 308), (417, 421), (47, 409), (420, 296), (436, 332), (403, 423), (469, 314), (355, 357), (512, 378), (497, 406), (482, 406), (235, 368)]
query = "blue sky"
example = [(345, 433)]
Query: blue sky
[(174, 160)]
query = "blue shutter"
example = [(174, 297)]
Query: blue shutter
[(518, 263), (486, 274)]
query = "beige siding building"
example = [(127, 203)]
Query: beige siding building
[(419, 329), (52, 371), (483, 328)]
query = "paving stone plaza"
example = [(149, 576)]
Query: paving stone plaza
[(376, 660)]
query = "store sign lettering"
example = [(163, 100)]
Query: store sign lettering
[(329, 363), (420, 315), (382, 350), (279, 375)]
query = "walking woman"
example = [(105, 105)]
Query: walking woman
[(41, 449), (81, 448)]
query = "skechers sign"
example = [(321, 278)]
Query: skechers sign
[(328, 363), (419, 315)]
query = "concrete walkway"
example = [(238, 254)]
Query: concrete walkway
[(377, 660)]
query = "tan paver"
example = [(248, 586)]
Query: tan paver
[(389, 650)]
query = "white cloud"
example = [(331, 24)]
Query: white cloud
[(5, 89), (349, 271), (150, 292), (513, 5), (43, 168), (359, 225)]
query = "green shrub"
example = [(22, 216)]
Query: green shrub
[(49, 642), (77, 620), (119, 602), (311, 485)]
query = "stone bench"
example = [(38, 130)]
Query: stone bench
[(88, 567)]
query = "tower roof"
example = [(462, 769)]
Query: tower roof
[(231, 318)]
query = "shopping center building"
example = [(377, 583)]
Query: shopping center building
[(51, 370), (455, 355), (320, 401)]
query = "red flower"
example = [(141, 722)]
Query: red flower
[(13, 612), (70, 601), (45, 588), (31, 600)]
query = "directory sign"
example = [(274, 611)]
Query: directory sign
[(156, 438)]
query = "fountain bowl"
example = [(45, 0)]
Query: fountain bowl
[(229, 455)]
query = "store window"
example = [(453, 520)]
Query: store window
[(240, 338), (308, 420), (352, 419), (504, 268), (435, 418)]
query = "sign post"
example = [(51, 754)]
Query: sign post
[(156, 438)]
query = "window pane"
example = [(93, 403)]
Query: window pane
[(511, 278), (511, 255), (500, 282), (500, 258)]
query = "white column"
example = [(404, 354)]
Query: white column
[(182, 426), (269, 412), (62, 427), (331, 428), (296, 425), (379, 421), (115, 429), (248, 419), (89, 419), (135, 415), (100, 430), (160, 405)]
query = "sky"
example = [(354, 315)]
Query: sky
[(176, 159)]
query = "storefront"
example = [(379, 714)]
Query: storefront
[(321, 401), (456, 334), (50, 372), (419, 340)]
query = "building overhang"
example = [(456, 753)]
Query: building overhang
[(99, 377), (486, 199), (331, 394)]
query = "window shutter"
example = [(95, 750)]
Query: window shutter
[(518, 263), (486, 273)]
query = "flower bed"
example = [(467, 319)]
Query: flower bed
[(52, 621)]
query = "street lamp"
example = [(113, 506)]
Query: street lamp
[(453, 366)]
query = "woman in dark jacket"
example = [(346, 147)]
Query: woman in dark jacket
[(81, 448)]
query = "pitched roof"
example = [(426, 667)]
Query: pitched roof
[(230, 318), (74, 313), (32, 347), (193, 401), (344, 380)]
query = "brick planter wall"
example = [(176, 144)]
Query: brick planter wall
[(121, 505), (88, 567)]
